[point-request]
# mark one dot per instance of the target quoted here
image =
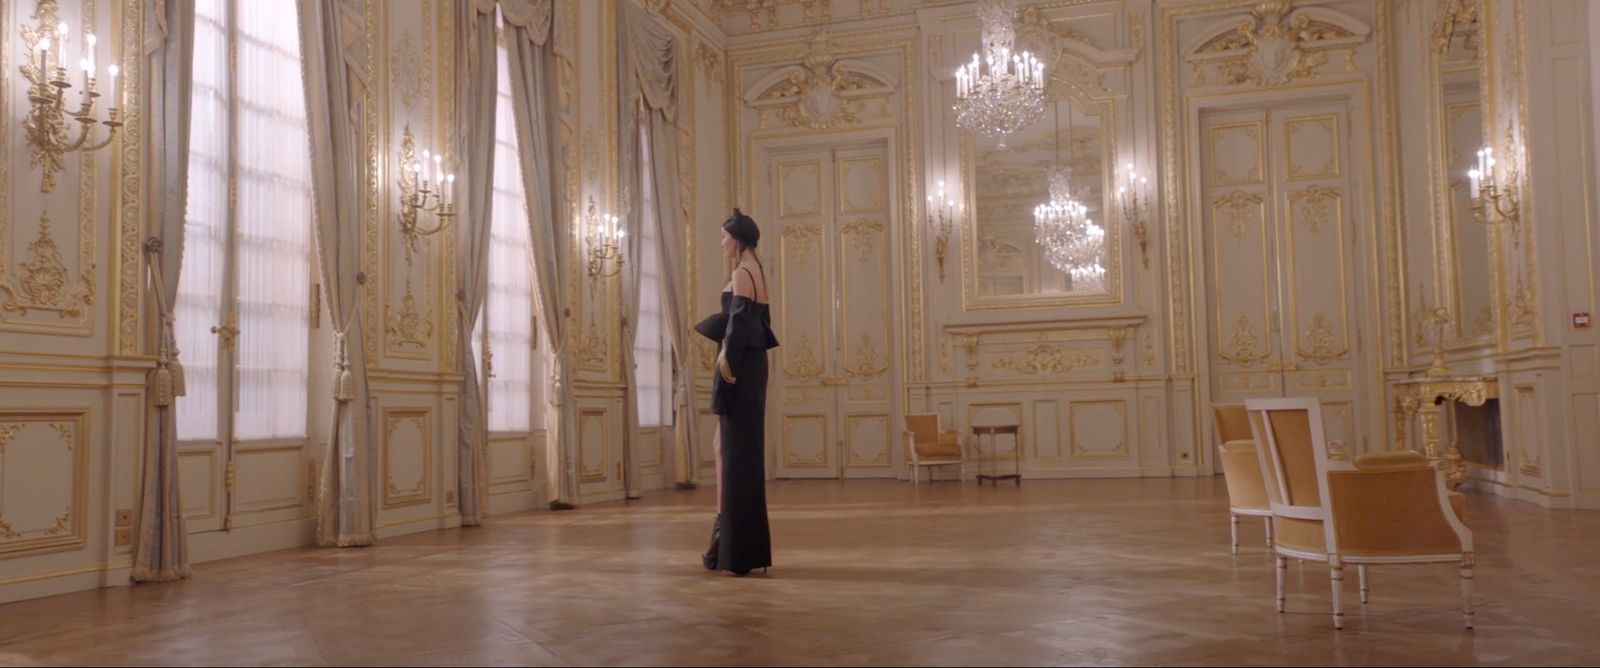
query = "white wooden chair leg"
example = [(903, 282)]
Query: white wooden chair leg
[(1361, 576), (1466, 590), (1233, 528), (916, 474), (1269, 532), (1283, 565), (1336, 577)]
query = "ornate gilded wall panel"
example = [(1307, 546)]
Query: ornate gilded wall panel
[(1099, 430), (408, 456), (804, 442), (869, 440), (594, 446), (44, 470)]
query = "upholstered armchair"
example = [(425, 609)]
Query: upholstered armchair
[(927, 446), (1385, 508), (1247, 494)]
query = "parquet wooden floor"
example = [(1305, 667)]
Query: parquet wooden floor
[(867, 572)]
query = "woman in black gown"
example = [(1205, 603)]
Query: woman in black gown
[(740, 541)]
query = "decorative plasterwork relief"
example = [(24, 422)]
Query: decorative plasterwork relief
[(1272, 46), (709, 59), (406, 71), (43, 280), (1044, 358), (1070, 54), (863, 237), (800, 239), (1241, 349), (1237, 206), (1319, 342), (408, 326), (52, 517), (802, 364), (592, 347), (1457, 18), (867, 363), (1314, 207), (1524, 308), (821, 92)]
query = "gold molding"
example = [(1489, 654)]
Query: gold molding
[(71, 427), (393, 495)]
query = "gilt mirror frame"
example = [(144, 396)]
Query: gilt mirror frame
[(1457, 57), (1098, 80), (1104, 108)]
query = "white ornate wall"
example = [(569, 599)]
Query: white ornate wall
[(1299, 223)]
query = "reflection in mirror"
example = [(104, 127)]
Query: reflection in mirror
[(1012, 178), (1459, 94)]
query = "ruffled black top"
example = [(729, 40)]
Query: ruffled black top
[(743, 325)]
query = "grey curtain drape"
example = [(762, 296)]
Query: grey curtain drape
[(333, 50), (531, 58), (650, 97), (161, 551), (476, 65)]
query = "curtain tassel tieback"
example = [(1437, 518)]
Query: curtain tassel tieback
[(169, 383), (344, 382)]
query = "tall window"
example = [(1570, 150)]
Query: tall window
[(244, 297), (651, 351), (507, 322)]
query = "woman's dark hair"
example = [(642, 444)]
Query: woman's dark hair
[(744, 232)]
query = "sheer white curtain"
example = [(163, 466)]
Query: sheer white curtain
[(650, 348), (200, 285), (508, 310), (249, 128), (273, 167)]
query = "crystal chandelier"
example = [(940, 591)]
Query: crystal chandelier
[(1001, 90), (1072, 242)]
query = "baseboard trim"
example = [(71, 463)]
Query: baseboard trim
[(245, 541), (39, 585)]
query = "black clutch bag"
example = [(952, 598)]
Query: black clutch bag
[(713, 327)]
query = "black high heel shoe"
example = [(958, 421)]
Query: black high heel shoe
[(709, 559)]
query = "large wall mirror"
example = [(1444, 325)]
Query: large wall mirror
[(1458, 91), (1004, 265)]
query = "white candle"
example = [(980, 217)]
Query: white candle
[(61, 45), (1472, 177), (44, 57), (451, 179), (116, 99), (90, 40), (438, 169)]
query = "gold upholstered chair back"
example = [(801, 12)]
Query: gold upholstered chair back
[(1241, 469), (1386, 508), (927, 446)]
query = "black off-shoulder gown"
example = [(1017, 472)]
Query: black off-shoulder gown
[(741, 541)]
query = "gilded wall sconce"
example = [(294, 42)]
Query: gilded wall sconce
[(941, 219), (424, 189), (1493, 202), (1133, 198), (48, 121), (603, 235)]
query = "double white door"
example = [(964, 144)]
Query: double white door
[(831, 388), (1280, 199)]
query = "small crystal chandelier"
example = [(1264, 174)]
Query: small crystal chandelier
[(1071, 241), (1000, 91)]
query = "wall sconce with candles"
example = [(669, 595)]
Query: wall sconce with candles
[(47, 124), (941, 218), (603, 234), (1133, 198), (1491, 201), (424, 189)]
